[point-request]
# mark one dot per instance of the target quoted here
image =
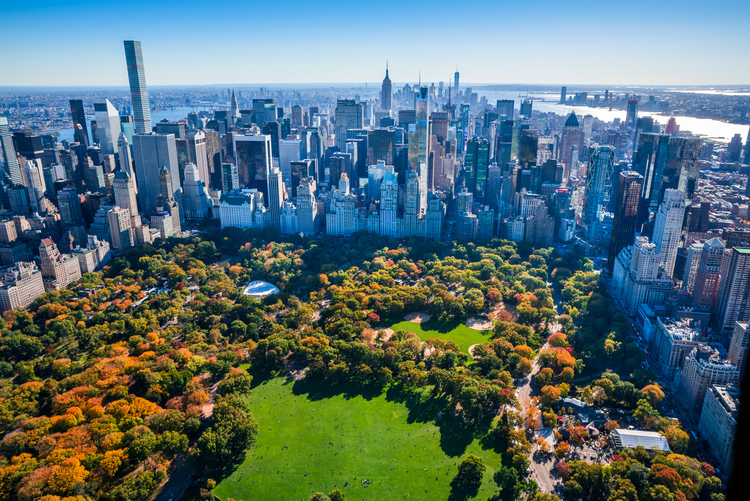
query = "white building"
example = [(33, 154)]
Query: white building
[(673, 340), (704, 367), (514, 229), (637, 277), (668, 228), (22, 284), (237, 208), (308, 216), (195, 196), (342, 218)]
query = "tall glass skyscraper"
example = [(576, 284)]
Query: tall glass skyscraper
[(10, 164), (138, 90)]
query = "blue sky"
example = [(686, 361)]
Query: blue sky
[(661, 42)]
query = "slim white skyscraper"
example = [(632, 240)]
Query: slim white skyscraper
[(668, 228), (125, 156), (35, 183), (138, 90), (107, 125)]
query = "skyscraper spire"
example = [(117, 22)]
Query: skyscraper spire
[(386, 68), (234, 106)]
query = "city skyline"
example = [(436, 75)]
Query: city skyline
[(220, 58)]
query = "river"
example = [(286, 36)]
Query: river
[(714, 130)]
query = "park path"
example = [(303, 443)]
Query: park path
[(541, 466)]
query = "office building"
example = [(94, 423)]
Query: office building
[(289, 151), (80, 129), (625, 215), (151, 152), (36, 185), (668, 228), (195, 195), (138, 90), (125, 156), (22, 284), (632, 113), (275, 197), (476, 165), (196, 143), (253, 160), (563, 95), (308, 218), (571, 144), (505, 109), (596, 197), (718, 422), (381, 145), (386, 92), (342, 218), (10, 159), (349, 115), (230, 179), (107, 125)]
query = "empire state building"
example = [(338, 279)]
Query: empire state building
[(386, 92)]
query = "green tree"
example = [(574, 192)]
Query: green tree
[(471, 470)]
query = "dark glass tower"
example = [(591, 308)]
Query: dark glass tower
[(476, 165), (138, 90), (626, 214), (80, 131)]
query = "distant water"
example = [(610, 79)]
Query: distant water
[(714, 130), (156, 116)]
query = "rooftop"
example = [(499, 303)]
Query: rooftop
[(260, 288), (634, 438)]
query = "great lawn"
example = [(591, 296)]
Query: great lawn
[(448, 331), (376, 446)]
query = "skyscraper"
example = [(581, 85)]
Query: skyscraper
[(253, 159), (419, 144), (195, 198), (349, 115), (138, 90), (196, 142), (505, 108), (107, 125), (563, 95), (476, 165), (455, 84), (275, 197), (125, 155), (386, 92), (632, 113), (151, 152), (706, 281), (571, 140), (668, 228), (80, 130), (733, 300), (626, 214), (10, 164), (598, 184)]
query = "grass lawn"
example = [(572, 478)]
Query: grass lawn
[(448, 331), (378, 446)]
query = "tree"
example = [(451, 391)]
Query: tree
[(562, 449), (337, 495), (509, 483), (654, 394), (677, 439), (319, 496), (471, 470)]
